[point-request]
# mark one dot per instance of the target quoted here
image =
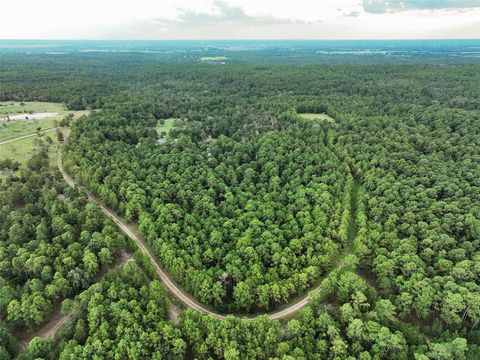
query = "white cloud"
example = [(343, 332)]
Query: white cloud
[(224, 14), (197, 19)]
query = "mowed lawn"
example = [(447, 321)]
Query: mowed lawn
[(312, 116), (16, 128)]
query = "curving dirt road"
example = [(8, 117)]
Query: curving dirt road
[(48, 330), (185, 298), (174, 289)]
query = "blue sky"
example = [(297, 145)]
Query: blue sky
[(239, 19)]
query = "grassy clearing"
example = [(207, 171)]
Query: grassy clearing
[(15, 128), (22, 150), (164, 129), (213, 58), (15, 107), (312, 116)]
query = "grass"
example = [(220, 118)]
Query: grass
[(22, 150), (15, 107), (16, 128), (312, 116), (213, 58), (166, 127)]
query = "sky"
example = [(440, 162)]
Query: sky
[(239, 19)]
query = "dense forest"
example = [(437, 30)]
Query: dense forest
[(54, 244), (247, 204), (126, 316), (237, 222)]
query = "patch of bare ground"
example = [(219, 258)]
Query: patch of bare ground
[(173, 313)]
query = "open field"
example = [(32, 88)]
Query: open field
[(15, 107), (19, 127), (23, 149), (16, 128), (312, 116)]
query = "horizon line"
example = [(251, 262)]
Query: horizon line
[(244, 39)]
